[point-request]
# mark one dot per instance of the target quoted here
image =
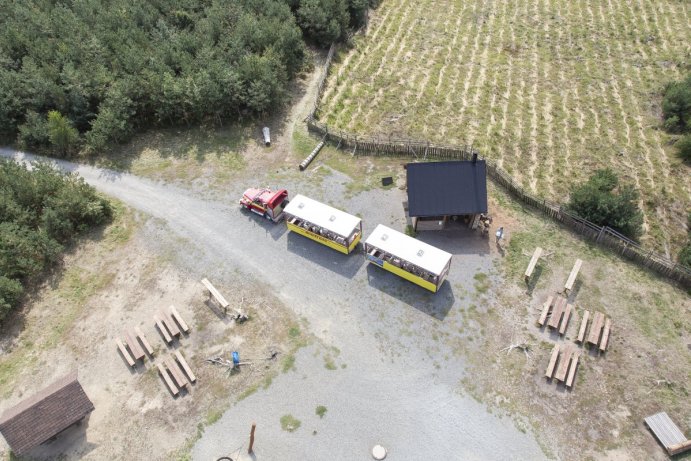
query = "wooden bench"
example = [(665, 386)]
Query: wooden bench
[(605, 335), (166, 379), (175, 371), (565, 320), (169, 323), (214, 292), (163, 330), (558, 309), (552, 362), (532, 263), (174, 313), (545, 311), (572, 369), (572, 276), (596, 328), (146, 344), (133, 344), (185, 367), (584, 325), (125, 354), (564, 363)]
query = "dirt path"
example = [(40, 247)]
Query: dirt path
[(395, 379)]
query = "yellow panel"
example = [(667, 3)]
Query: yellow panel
[(408, 276), (318, 238), (355, 241)]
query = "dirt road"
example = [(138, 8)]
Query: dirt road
[(384, 365)]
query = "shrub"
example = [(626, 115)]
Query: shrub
[(603, 202), (10, 293), (684, 147), (676, 106)]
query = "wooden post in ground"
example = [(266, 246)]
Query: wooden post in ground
[(249, 450)]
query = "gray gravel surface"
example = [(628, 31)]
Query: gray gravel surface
[(396, 381)]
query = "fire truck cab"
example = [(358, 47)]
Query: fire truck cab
[(265, 202)]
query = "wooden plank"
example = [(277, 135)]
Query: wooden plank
[(135, 348), (166, 379), (564, 364), (545, 311), (142, 338), (552, 361), (169, 323), (185, 367), (572, 276), (565, 320), (123, 351), (533, 263), (179, 378), (221, 300), (605, 335), (584, 324), (163, 330), (556, 312), (678, 448), (178, 318), (596, 328), (572, 369)]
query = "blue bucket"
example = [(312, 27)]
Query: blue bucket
[(236, 358)]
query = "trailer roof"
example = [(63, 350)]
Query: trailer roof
[(421, 254), (337, 221)]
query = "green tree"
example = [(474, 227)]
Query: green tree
[(676, 106), (684, 147), (602, 201), (10, 293), (63, 136), (323, 21)]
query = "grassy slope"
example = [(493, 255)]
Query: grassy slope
[(552, 89)]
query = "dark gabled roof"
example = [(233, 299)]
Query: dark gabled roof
[(447, 188), (45, 414)]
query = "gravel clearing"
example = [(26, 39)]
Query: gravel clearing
[(382, 365)]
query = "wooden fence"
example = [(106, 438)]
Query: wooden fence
[(423, 150)]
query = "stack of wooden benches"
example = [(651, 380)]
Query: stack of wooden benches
[(559, 311), (171, 371), (130, 348), (564, 360), (600, 329)]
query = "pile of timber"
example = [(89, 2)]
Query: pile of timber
[(599, 333), (559, 312), (563, 360)]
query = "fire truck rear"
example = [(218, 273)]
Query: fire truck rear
[(265, 202)]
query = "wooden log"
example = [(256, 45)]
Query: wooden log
[(178, 318), (596, 328), (584, 324), (135, 348), (545, 311), (552, 362), (572, 276), (166, 379), (126, 355), (163, 330), (565, 320), (532, 263), (185, 367), (572, 370), (556, 312), (175, 371), (564, 364), (605, 335), (146, 344)]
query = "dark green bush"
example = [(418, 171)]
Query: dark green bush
[(40, 210), (684, 147), (676, 106), (602, 201)]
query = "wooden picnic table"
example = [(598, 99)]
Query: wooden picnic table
[(169, 322), (565, 320), (175, 371), (584, 324), (133, 344), (166, 379), (163, 329), (564, 363), (214, 292), (144, 341), (605, 335), (596, 328), (572, 369), (545, 311), (558, 309), (126, 355), (552, 361), (186, 367)]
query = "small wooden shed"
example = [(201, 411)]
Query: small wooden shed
[(45, 414)]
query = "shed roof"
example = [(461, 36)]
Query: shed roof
[(447, 188), (45, 414), (414, 251), (323, 215)]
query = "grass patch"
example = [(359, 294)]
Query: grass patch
[(482, 282), (320, 411), (290, 423), (288, 363)]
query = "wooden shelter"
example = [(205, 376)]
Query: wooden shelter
[(44, 415)]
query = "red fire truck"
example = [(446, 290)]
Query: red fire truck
[(265, 202)]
